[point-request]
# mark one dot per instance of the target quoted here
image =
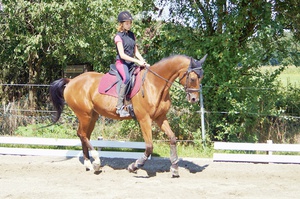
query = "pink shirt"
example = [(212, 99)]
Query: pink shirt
[(117, 39)]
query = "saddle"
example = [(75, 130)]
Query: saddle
[(111, 82)]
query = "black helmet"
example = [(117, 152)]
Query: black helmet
[(124, 16)]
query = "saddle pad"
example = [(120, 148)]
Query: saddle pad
[(108, 79)]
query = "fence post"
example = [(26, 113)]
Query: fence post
[(269, 142), (269, 152), (202, 116)]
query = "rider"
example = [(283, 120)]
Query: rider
[(127, 55)]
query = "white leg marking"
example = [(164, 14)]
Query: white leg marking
[(96, 163), (88, 165)]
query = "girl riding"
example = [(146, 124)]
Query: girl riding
[(127, 55)]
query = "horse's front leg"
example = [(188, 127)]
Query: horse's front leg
[(165, 126), (147, 135), (174, 157)]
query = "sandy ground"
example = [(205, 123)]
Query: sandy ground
[(51, 177)]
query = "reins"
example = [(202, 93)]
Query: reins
[(187, 90), (161, 77)]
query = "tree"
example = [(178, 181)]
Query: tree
[(239, 37), (287, 12), (40, 37)]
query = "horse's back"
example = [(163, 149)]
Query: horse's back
[(90, 74)]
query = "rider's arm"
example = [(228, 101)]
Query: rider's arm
[(139, 56), (126, 57)]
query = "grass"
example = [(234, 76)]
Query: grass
[(183, 150), (290, 76)]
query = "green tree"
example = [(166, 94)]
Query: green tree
[(239, 37), (287, 12), (40, 37)]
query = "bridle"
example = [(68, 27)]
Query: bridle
[(192, 68), (199, 72)]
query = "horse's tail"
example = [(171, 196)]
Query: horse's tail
[(57, 96)]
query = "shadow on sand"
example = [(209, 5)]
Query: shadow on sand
[(152, 166)]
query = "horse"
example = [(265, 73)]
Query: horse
[(150, 104)]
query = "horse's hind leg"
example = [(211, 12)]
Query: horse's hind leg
[(85, 129), (94, 153)]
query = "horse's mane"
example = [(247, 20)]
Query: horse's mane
[(168, 58)]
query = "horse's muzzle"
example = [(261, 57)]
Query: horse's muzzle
[(192, 97)]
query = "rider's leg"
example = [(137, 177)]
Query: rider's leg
[(120, 105), (123, 70)]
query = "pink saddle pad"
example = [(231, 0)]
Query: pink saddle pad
[(108, 79)]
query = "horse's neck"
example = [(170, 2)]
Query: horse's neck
[(164, 73), (170, 69), (160, 79)]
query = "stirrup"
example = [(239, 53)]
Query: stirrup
[(122, 112)]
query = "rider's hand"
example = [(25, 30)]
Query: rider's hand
[(143, 64)]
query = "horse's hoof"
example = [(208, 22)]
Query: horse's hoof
[(88, 165), (96, 167), (175, 176), (175, 173), (131, 168)]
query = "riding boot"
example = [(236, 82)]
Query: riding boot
[(120, 105)]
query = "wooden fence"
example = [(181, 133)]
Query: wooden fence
[(36, 142), (252, 148)]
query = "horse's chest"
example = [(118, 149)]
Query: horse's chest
[(164, 106)]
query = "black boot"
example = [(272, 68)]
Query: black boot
[(120, 105)]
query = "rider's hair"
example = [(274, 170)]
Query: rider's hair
[(120, 27)]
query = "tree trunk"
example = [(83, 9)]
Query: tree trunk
[(34, 65), (32, 89)]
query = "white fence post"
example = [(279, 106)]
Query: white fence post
[(269, 142), (270, 153)]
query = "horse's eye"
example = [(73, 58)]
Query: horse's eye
[(193, 79)]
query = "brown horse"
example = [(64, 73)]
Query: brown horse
[(150, 104)]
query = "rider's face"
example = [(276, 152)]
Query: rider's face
[(127, 25)]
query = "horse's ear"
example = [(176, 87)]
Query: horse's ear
[(193, 63), (202, 60)]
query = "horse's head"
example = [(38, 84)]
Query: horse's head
[(191, 79)]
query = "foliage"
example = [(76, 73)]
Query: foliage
[(39, 38), (184, 117), (130, 130), (239, 37)]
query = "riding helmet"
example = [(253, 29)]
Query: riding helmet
[(124, 16)]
